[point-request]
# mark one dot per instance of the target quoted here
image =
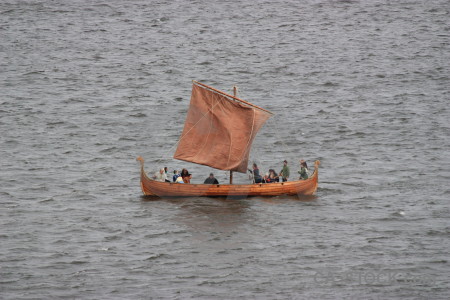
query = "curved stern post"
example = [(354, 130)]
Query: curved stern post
[(316, 175), (143, 175)]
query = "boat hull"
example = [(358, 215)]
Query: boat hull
[(151, 187)]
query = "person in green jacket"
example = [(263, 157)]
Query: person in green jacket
[(284, 173), (303, 170)]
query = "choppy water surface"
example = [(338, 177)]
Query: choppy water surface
[(87, 86)]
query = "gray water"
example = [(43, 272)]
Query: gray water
[(87, 86)]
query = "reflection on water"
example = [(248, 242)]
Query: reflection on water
[(221, 214), (274, 199), (287, 198), (211, 214)]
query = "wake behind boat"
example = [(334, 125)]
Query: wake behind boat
[(218, 132)]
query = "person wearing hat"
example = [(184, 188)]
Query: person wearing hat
[(211, 179), (284, 173)]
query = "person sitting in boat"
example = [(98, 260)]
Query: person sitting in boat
[(256, 177), (303, 170), (266, 178), (167, 172), (176, 174), (273, 176), (179, 180), (160, 176), (211, 179), (284, 173), (186, 176)]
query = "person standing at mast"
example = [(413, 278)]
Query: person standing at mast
[(284, 173)]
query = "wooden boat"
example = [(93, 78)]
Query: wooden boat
[(152, 187), (218, 132)]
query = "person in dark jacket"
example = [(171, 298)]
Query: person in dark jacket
[(211, 179), (176, 174), (256, 176)]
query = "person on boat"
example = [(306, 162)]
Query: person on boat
[(273, 176), (179, 180), (186, 176), (211, 179), (176, 174), (284, 173), (303, 170), (160, 176), (266, 178), (167, 174), (256, 177)]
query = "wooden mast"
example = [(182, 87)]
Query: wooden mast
[(231, 172)]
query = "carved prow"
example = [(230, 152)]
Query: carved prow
[(316, 164), (141, 161)]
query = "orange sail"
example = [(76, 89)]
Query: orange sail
[(219, 129)]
